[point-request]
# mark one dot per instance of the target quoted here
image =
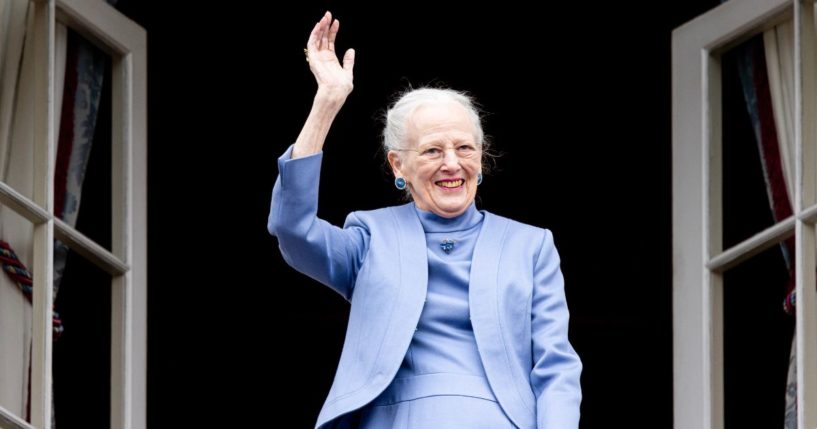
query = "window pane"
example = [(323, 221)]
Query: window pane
[(17, 84), (754, 189), (82, 353), (15, 311), (82, 177), (82, 195), (757, 341)]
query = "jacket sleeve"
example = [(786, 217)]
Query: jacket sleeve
[(556, 366), (324, 252)]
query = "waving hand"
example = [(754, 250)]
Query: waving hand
[(334, 79)]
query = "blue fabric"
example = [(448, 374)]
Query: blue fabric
[(444, 341), (379, 261), (434, 384), (434, 412), (443, 359)]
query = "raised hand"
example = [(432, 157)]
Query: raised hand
[(335, 81)]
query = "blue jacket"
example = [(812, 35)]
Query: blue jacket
[(378, 262)]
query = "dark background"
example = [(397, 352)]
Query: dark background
[(578, 102)]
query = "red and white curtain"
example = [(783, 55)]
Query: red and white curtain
[(767, 74), (779, 51)]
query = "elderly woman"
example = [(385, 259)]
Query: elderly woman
[(458, 316)]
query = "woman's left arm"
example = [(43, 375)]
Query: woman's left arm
[(556, 366)]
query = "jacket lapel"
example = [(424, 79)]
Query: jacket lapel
[(483, 296), (412, 271), (413, 257)]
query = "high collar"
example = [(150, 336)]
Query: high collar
[(432, 222)]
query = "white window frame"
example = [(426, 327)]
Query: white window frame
[(126, 43), (699, 259)]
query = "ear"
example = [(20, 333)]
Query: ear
[(395, 162)]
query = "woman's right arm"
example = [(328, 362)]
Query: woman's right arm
[(311, 245)]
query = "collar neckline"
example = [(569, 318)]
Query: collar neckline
[(432, 222)]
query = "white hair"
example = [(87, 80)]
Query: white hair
[(394, 132)]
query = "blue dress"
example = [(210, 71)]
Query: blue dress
[(441, 382)]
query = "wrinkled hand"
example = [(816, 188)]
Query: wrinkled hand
[(334, 81)]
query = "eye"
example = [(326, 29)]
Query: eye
[(431, 151), (466, 150)]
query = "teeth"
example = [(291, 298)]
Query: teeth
[(450, 184)]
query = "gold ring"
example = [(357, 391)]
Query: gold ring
[(306, 53)]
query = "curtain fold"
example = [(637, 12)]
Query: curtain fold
[(15, 158), (779, 52), (83, 77), (16, 170)]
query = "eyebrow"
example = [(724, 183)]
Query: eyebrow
[(455, 142)]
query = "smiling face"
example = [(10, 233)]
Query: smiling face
[(442, 161)]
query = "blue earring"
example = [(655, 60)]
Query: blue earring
[(479, 179), (400, 183)]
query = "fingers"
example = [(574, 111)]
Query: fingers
[(333, 33), (317, 33), (326, 23), (349, 60), (323, 36)]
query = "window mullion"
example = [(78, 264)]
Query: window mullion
[(10, 421), (752, 246), (89, 249), (44, 27), (122, 350), (21, 205), (805, 137)]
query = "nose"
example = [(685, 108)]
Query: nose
[(451, 162)]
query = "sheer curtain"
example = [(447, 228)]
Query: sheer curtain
[(779, 49), (16, 170)]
